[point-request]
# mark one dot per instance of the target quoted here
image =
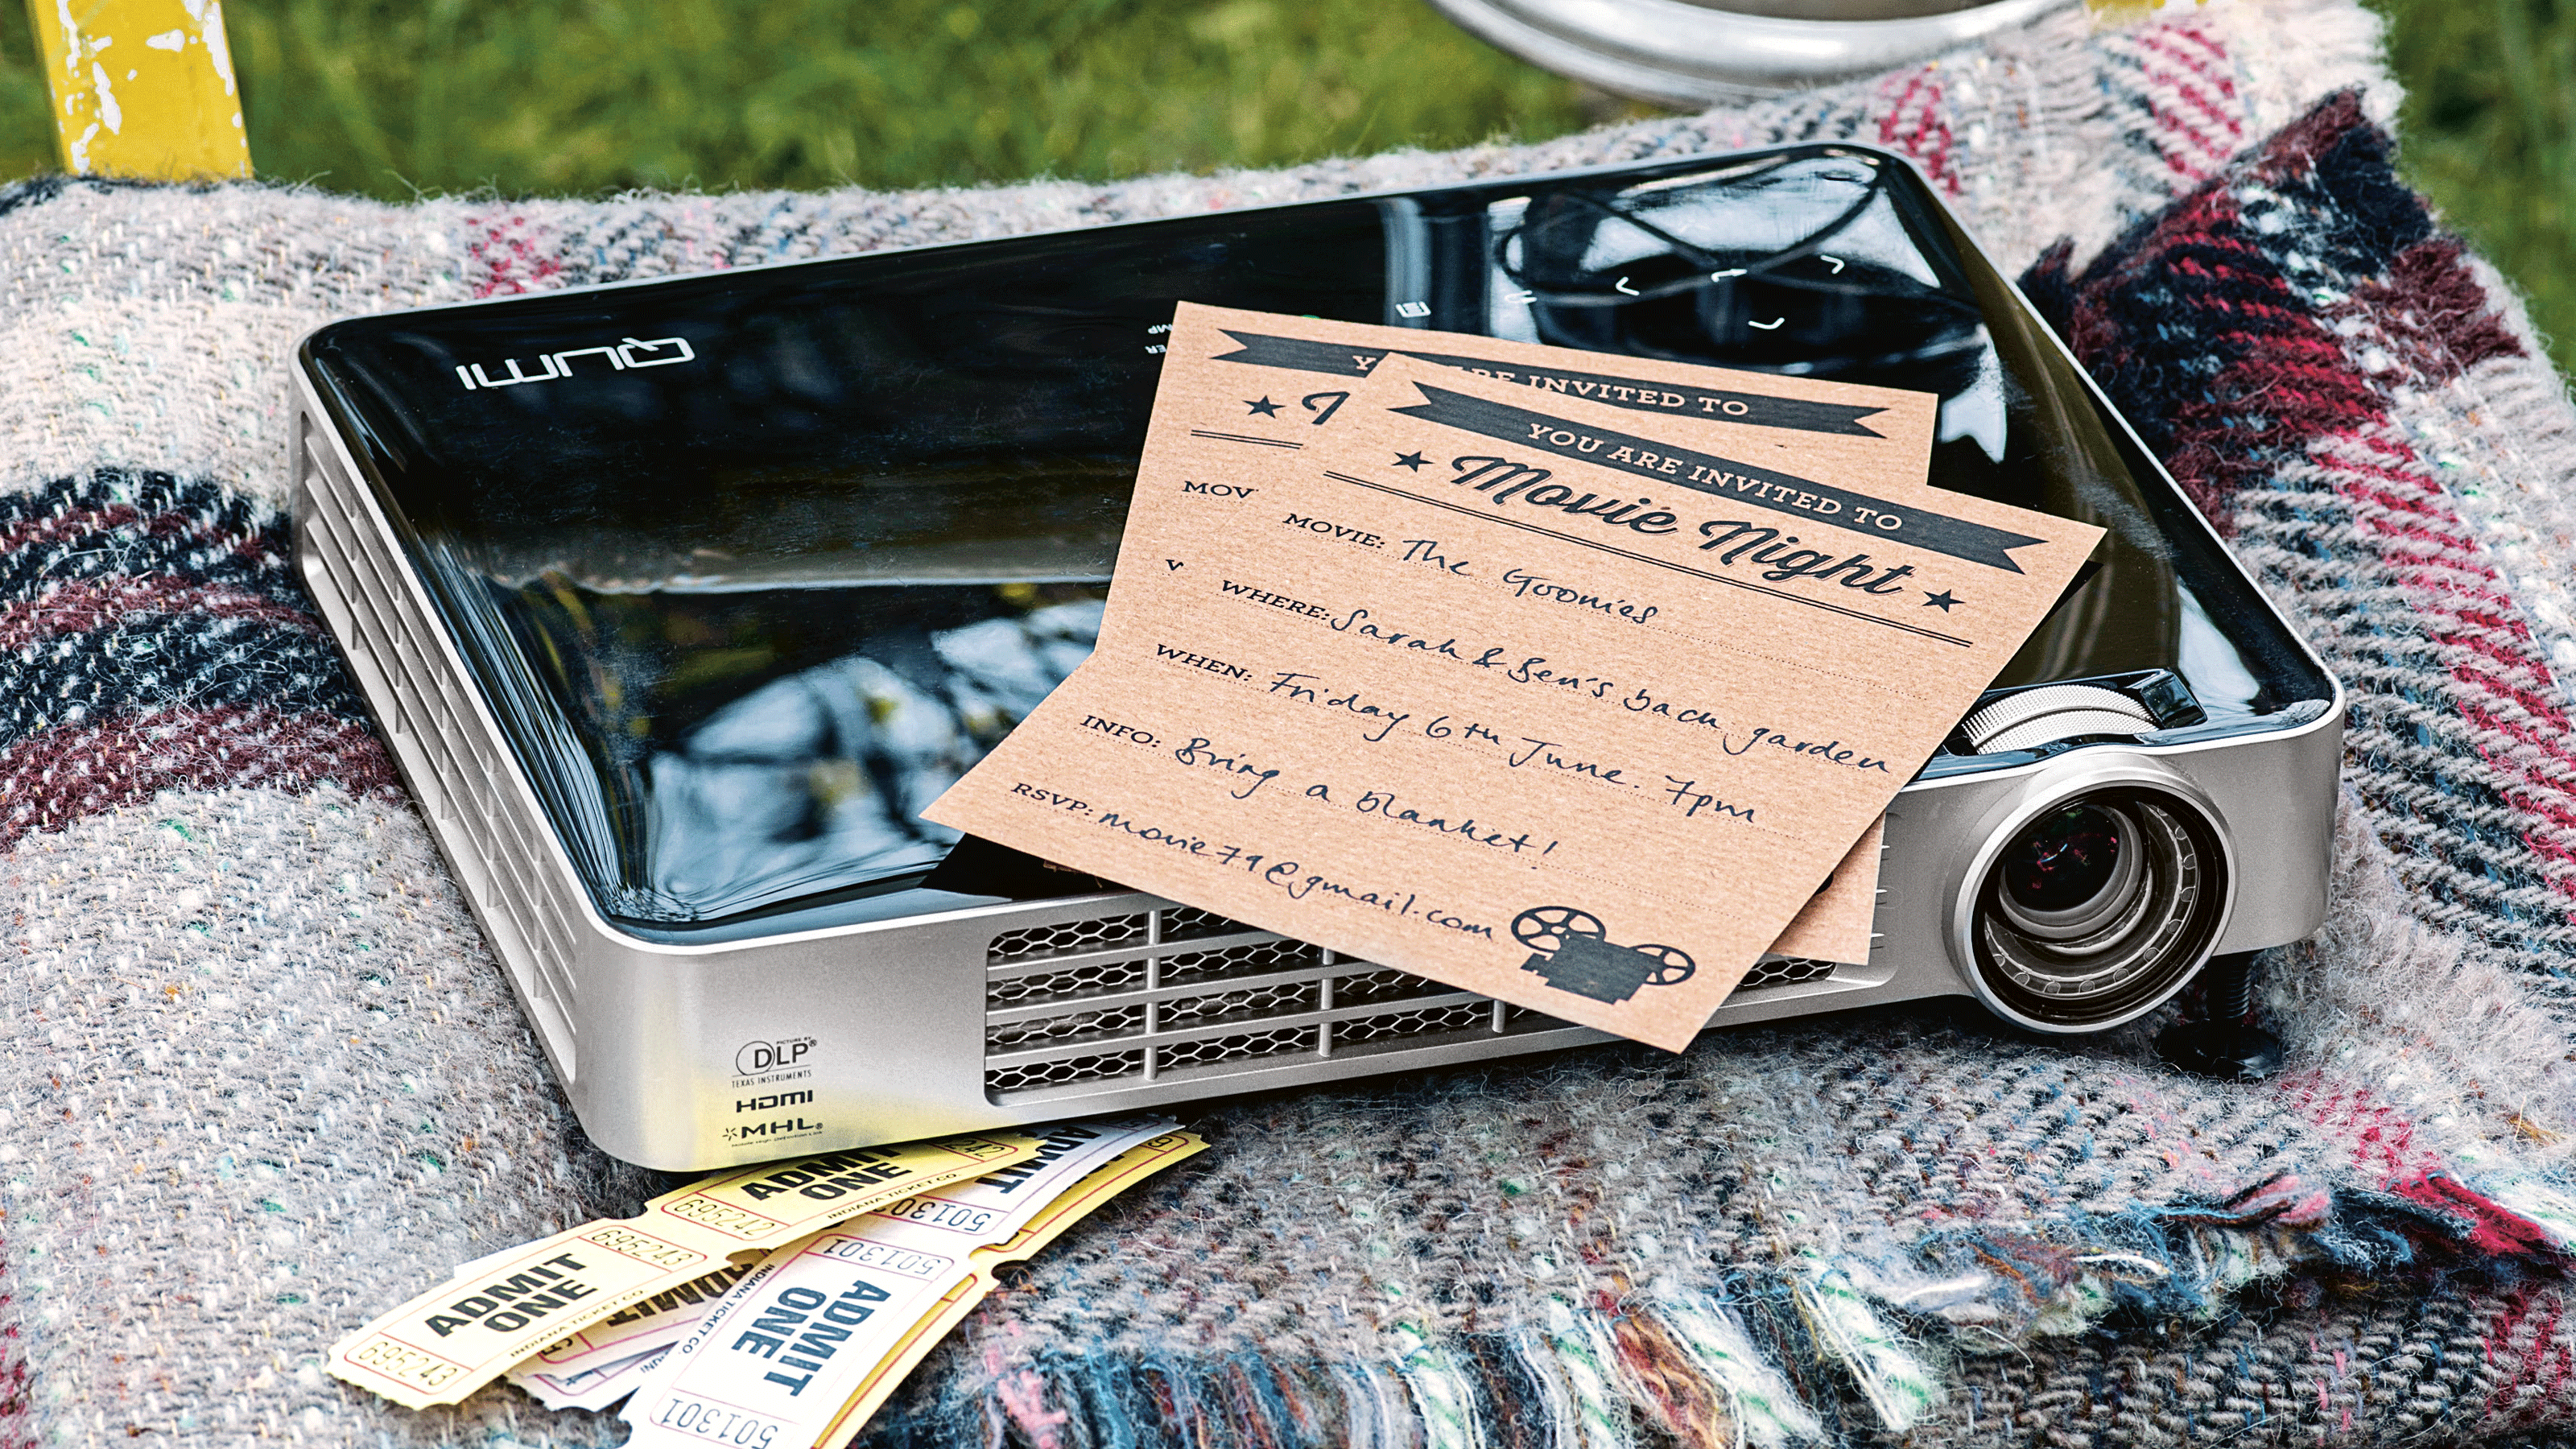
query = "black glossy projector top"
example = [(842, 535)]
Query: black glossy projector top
[(752, 565)]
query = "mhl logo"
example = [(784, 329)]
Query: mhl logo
[(790, 1127), (627, 353), (771, 1056), (773, 1103)]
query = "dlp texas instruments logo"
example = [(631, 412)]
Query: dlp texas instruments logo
[(626, 353), (1570, 949), (757, 1057)]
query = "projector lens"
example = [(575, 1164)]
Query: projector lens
[(2099, 907), (2067, 858)]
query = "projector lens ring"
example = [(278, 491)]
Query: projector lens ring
[(2098, 908)]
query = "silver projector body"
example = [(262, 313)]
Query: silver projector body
[(887, 1010)]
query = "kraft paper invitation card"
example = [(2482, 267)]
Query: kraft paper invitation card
[(1243, 393), (1554, 700)]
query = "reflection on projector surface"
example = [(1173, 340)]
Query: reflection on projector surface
[(761, 746), (818, 779)]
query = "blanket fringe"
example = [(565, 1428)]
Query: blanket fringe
[(1841, 1344)]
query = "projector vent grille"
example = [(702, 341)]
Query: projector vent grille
[(1031, 943), (1466, 1016), (1066, 985), (1063, 1072), (1179, 992), (1212, 1050), (1784, 971), (1256, 960)]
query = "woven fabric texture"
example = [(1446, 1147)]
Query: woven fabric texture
[(259, 1078)]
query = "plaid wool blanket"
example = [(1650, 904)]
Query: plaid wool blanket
[(259, 1078)]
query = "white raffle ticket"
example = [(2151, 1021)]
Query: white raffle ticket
[(596, 1388), (573, 1372), (778, 1361)]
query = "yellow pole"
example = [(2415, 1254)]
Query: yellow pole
[(142, 88)]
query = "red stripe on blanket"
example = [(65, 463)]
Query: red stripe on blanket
[(73, 523), (2493, 1227), (2189, 74), (512, 254), (1918, 124), (70, 523), (17, 1381), (76, 607), (49, 781), (2379, 1139), (2466, 612), (2431, 306), (2530, 1362), (2381, 1144)]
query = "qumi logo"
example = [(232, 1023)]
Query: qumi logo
[(627, 353)]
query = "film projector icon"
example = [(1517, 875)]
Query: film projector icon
[(1570, 949)]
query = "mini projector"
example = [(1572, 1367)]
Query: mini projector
[(678, 600)]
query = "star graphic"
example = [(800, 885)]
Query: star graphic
[(1413, 461), (1265, 407), (1941, 601)]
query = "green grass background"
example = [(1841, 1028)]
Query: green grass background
[(581, 97)]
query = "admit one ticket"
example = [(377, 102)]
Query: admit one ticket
[(1602, 798), (501, 1310)]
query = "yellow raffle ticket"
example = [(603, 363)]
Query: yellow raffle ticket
[(1077, 1202), (457, 1337)]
